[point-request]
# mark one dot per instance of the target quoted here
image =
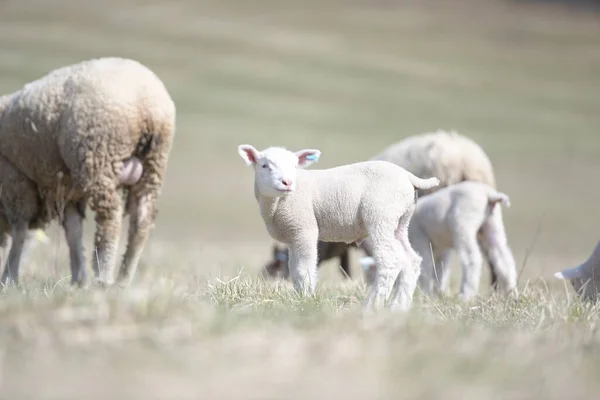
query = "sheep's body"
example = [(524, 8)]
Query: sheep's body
[(450, 157), (450, 219), (346, 204), (585, 277), (72, 131)]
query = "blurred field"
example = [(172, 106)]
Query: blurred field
[(347, 77)]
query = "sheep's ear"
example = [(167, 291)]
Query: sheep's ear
[(249, 154), (307, 156), (570, 273)]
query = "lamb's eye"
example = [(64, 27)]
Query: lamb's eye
[(265, 166)]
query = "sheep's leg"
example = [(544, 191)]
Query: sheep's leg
[(490, 262), (470, 259), (345, 264), (142, 214), (387, 256), (496, 249), (408, 277), (11, 268), (302, 265), (73, 227), (107, 203), (443, 270)]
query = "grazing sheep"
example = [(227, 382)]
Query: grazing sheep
[(451, 219), (345, 204), (81, 133), (447, 155), (585, 277), (278, 266)]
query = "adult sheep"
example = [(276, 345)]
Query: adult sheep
[(81, 133), (585, 277), (345, 204), (447, 155)]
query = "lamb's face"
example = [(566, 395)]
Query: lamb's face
[(275, 168)]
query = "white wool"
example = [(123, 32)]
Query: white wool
[(585, 277), (343, 204), (451, 219)]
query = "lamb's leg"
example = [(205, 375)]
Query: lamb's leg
[(409, 275), (303, 265), (106, 202), (496, 249), (490, 262), (443, 270), (73, 227), (11, 268), (387, 253), (470, 259)]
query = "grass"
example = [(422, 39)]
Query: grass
[(347, 77)]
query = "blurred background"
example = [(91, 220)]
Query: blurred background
[(349, 78)]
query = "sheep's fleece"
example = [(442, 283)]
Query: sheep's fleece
[(344, 204), (585, 277), (73, 132)]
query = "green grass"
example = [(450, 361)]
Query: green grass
[(350, 78)]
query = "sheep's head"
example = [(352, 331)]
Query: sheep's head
[(585, 278), (275, 167)]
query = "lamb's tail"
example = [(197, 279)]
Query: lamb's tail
[(423, 184), (496, 197)]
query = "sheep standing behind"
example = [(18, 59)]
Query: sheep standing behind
[(278, 266), (585, 277), (451, 219), (72, 133), (345, 204)]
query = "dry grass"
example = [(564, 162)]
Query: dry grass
[(349, 77)]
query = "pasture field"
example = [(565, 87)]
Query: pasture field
[(349, 78)]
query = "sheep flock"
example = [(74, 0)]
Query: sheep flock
[(99, 133)]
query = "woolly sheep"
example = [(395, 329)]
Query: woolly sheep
[(23, 217), (73, 132), (585, 277), (447, 155), (344, 204), (278, 266), (451, 219)]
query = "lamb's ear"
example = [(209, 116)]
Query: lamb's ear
[(248, 153), (307, 156), (570, 273)]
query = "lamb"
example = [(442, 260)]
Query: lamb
[(345, 204), (585, 277), (98, 132), (447, 155), (452, 218)]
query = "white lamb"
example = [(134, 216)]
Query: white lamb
[(452, 219), (346, 204)]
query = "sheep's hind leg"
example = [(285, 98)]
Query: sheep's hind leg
[(406, 283), (387, 254), (107, 203), (73, 227), (142, 212), (11, 268)]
